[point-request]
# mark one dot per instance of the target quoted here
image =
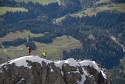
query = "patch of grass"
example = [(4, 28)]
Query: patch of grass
[(58, 20), (119, 7), (80, 14), (111, 7), (40, 1), (88, 11), (12, 36), (102, 1), (3, 10), (94, 11), (54, 50)]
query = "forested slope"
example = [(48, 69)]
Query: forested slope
[(94, 32)]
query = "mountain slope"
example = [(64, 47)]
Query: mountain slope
[(92, 32)]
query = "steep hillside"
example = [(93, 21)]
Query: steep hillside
[(98, 6), (93, 30), (54, 50)]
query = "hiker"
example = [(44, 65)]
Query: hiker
[(44, 54), (29, 50), (68, 37)]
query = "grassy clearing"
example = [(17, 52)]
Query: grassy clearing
[(3, 10), (54, 50), (58, 20), (40, 1), (111, 7), (102, 1), (12, 36), (119, 7), (80, 14), (94, 11)]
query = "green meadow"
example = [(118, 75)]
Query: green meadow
[(3, 10), (40, 1), (93, 11), (54, 50)]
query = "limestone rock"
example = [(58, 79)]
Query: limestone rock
[(49, 73)]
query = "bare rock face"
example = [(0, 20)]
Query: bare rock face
[(71, 75), (43, 73)]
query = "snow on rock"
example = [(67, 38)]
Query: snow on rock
[(69, 61), (103, 75), (83, 77), (22, 62), (51, 69), (90, 63), (21, 81)]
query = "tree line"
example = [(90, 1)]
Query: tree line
[(118, 1), (15, 42), (19, 41), (35, 10)]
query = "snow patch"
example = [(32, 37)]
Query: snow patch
[(21, 80), (103, 75), (83, 77), (90, 63), (59, 2), (51, 70), (1, 71), (69, 61)]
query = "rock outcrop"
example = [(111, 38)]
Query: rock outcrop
[(50, 73)]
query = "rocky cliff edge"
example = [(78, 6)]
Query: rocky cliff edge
[(36, 70)]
